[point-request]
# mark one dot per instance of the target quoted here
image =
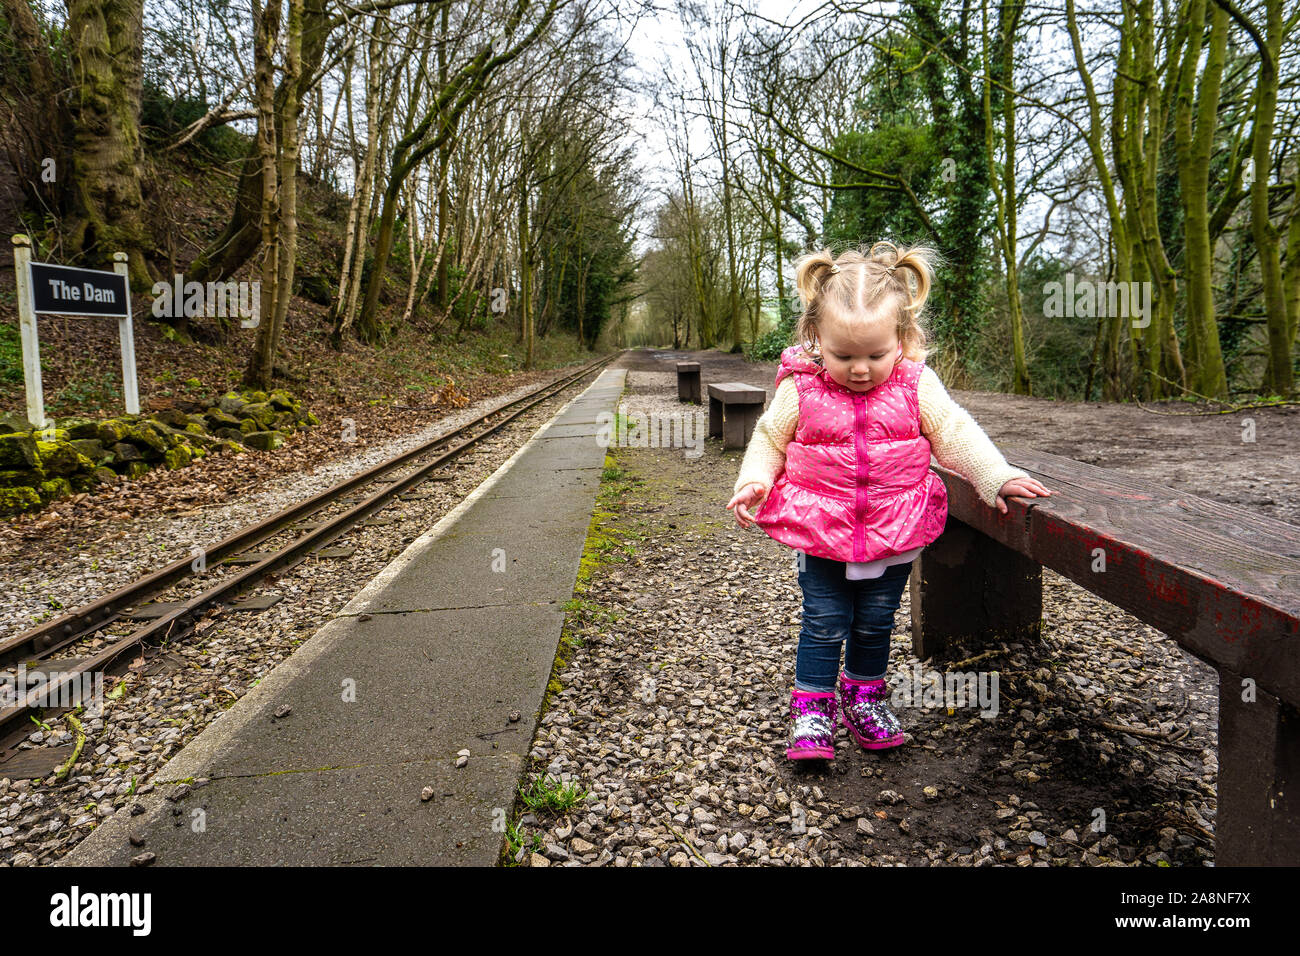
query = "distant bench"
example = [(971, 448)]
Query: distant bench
[(688, 382), (1222, 582)]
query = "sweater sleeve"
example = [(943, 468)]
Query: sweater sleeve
[(959, 443), (765, 456)]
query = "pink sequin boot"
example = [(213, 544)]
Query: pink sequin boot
[(812, 725), (863, 709)]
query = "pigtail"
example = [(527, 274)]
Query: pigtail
[(813, 272), (908, 275), (916, 261)]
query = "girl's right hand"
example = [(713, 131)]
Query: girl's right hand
[(746, 498)]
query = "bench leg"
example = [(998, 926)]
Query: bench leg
[(1258, 820), (967, 587), (688, 387), (715, 418), (739, 425)]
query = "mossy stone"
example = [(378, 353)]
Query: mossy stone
[(29, 477), (80, 427), (137, 469), (14, 422), (256, 396), (171, 416), (177, 457), (310, 419), (60, 458), (232, 403), (18, 451), (111, 431), (147, 440), (247, 426), (17, 500), (260, 412), (55, 488), (92, 448), (124, 452), (104, 476), (283, 401), (216, 418), (264, 441)]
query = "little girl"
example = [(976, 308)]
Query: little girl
[(841, 464)]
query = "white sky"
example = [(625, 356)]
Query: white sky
[(657, 44)]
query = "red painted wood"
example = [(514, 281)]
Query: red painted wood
[(1223, 582)]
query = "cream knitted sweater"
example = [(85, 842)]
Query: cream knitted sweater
[(955, 439)]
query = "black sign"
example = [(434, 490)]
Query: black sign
[(63, 290)]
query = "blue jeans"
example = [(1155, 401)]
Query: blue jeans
[(835, 609)]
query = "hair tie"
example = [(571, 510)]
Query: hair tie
[(889, 269), (834, 269)]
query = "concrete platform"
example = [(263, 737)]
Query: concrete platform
[(428, 659)]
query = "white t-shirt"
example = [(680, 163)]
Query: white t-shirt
[(859, 570)]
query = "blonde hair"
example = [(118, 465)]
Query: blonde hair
[(886, 282)]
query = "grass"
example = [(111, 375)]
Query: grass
[(544, 794), (516, 840)]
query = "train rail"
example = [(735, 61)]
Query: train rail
[(300, 539)]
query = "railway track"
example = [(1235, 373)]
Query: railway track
[(290, 538)]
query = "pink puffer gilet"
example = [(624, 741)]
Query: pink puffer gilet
[(857, 484)]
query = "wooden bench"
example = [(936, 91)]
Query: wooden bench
[(734, 408), (1222, 582), (688, 382)]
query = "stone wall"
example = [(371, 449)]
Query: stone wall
[(77, 454)]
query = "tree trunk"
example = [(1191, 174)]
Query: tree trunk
[(1005, 192), (223, 257), (1112, 383), (1204, 352), (444, 161), (257, 374), (106, 49), (360, 208), (287, 206), (1279, 378)]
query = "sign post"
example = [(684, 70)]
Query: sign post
[(27, 332), (126, 338), (64, 290)]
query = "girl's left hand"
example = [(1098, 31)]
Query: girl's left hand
[(1020, 488)]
